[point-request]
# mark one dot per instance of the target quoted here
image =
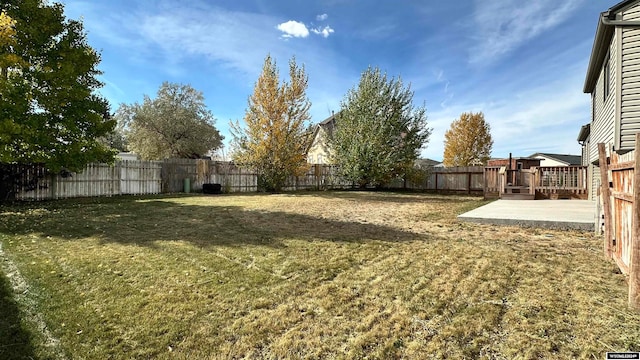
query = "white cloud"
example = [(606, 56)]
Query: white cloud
[(502, 25), (170, 38), (293, 28), (322, 17), (324, 32)]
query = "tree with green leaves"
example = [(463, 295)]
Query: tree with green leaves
[(273, 140), (468, 141), (50, 113), (379, 133), (176, 124), (116, 139)]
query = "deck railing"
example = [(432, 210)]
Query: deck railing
[(545, 181)]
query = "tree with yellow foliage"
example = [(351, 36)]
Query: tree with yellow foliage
[(7, 41), (468, 142), (273, 139)]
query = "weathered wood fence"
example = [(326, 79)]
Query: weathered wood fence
[(125, 177), (456, 179), (233, 178), (169, 176), (620, 193)]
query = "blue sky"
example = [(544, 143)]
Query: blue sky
[(522, 63)]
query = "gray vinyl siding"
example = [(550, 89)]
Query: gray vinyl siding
[(603, 123), (584, 156), (630, 96)]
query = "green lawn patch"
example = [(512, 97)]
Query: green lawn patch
[(306, 275)]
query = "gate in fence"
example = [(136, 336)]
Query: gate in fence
[(620, 193)]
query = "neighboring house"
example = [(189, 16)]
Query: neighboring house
[(428, 163), (547, 159), (127, 156), (318, 150), (613, 81), (517, 163)]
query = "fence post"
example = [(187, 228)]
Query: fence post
[(634, 266), (54, 186), (606, 199), (484, 182)]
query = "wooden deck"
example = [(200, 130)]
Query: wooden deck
[(560, 182)]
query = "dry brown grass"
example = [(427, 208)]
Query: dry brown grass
[(313, 275)]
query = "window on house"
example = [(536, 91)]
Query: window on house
[(319, 158), (607, 78)]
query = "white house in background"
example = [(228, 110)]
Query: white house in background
[(318, 149), (547, 159), (127, 156), (613, 81), (427, 163)]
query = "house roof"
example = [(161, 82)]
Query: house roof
[(327, 124), (601, 42), (566, 159), (427, 162), (584, 133), (515, 158)]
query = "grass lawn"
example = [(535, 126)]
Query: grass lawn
[(306, 275)]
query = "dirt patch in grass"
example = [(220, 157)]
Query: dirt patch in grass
[(313, 275)]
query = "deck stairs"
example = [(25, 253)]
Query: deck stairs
[(517, 193)]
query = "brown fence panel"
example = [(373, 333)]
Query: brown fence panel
[(469, 179), (492, 182), (622, 214)]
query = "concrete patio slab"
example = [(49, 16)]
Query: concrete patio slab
[(551, 214)]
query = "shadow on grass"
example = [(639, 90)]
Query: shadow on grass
[(15, 340), (146, 221), (395, 197)]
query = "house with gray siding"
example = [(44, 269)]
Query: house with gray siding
[(613, 81)]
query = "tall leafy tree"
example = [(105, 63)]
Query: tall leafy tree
[(8, 58), (274, 138), (468, 142), (50, 112), (379, 133), (176, 124), (116, 139)]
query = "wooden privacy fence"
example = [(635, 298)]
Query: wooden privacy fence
[(125, 177), (620, 191), (468, 179), (170, 176), (233, 178), (456, 179)]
